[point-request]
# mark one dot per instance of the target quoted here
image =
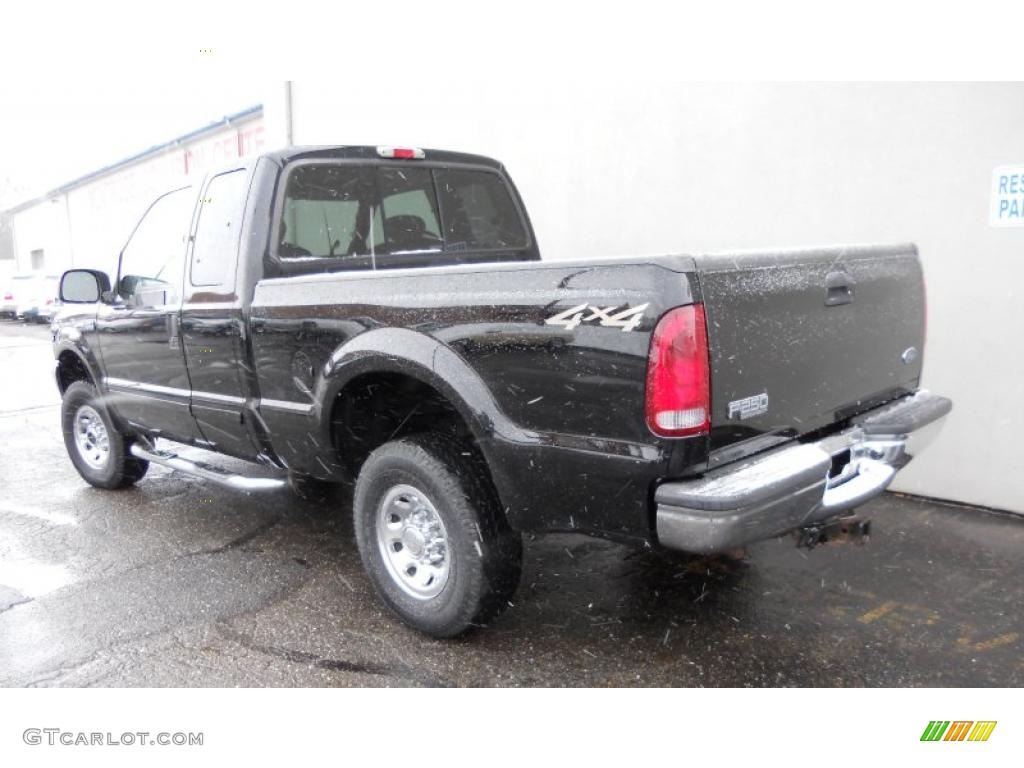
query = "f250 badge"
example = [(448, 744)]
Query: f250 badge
[(749, 407), (628, 319)]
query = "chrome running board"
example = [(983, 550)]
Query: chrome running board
[(207, 471)]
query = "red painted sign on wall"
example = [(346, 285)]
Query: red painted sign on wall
[(246, 141)]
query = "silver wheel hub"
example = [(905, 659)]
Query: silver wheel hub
[(91, 438), (413, 542)]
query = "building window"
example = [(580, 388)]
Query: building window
[(6, 238), (38, 262)]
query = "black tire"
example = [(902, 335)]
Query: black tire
[(485, 555), (119, 469)]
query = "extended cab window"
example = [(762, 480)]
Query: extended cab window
[(152, 267), (218, 229)]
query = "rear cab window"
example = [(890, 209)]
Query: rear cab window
[(336, 215), (325, 213), (480, 214), (406, 219)]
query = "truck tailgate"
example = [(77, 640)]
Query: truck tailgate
[(803, 339)]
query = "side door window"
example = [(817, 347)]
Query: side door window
[(215, 250), (151, 272)]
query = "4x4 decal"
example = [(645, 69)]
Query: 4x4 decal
[(628, 319)]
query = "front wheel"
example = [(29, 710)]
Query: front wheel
[(98, 449), (432, 537)]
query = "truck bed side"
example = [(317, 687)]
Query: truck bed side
[(557, 407)]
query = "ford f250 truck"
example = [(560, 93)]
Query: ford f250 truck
[(380, 317)]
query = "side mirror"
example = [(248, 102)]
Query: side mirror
[(83, 286)]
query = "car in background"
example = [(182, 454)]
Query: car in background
[(15, 293), (39, 300), (7, 305), (38, 310), (48, 310)]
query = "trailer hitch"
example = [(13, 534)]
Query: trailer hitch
[(848, 530)]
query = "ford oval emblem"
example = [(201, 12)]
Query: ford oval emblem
[(909, 355)]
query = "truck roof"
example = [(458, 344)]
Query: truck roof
[(285, 156)]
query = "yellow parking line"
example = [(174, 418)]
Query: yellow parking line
[(877, 613), (996, 642)]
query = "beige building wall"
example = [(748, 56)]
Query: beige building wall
[(627, 169)]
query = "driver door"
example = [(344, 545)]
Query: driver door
[(139, 330)]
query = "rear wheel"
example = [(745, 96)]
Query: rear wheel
[(432, 537), (98, 449)]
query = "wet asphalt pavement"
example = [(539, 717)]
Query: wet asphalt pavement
[(181, 583)]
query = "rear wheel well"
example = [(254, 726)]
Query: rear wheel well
[(71, 368), (377, 408)]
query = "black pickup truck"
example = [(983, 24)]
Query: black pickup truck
[(380, 317)]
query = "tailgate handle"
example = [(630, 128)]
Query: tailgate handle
[(838, 289)]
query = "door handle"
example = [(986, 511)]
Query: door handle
[(108, 314), (839, 288)]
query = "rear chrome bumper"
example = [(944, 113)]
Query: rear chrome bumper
[(794, 486)]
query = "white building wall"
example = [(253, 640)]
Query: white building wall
[(625, 169), (104, 212), (89, 224), (42, 227)]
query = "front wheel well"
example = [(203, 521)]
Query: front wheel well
[(71, 368)]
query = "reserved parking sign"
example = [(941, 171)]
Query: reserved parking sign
[(1007, 207)]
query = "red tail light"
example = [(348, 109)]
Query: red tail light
[(8, 297), (678, 399)]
